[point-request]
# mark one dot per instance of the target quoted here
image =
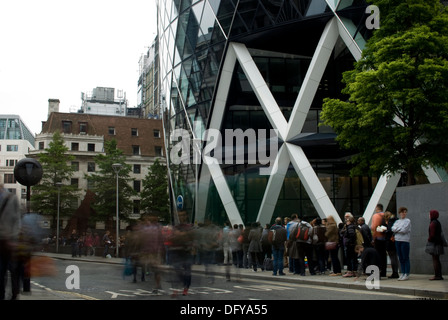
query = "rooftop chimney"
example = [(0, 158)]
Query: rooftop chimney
[(53, 106)]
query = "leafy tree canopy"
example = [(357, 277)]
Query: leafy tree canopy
[(396, 115)]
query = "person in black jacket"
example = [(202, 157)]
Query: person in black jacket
[(349, 240), (369, 257), (390, 244), (366, 232)]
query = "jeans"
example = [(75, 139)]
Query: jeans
[(403, 249), (277, 263)]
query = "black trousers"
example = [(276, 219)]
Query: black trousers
[(8, 262), (380, 247)]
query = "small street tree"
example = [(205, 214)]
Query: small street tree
[(395, 117), (154, 196), (104, 185), (57, 168)]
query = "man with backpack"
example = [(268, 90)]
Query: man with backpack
[(277, 237), (302, 246)]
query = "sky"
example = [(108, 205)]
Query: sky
[(54, 49)]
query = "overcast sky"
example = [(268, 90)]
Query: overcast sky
[(54, 49)]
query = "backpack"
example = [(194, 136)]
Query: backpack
[(359, 237), (277, 235), (302, 234)]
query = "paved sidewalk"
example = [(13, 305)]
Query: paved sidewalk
[(418, 285)]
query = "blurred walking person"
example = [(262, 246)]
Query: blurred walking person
[(182, 241), (10, 225)]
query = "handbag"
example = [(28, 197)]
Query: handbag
[(331, 245), (430, 247)]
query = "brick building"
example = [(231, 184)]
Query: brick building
[(84, 135)]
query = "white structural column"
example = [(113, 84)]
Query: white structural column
[(288, 153), (312, 78), (285, 130), (224, 192), (311, 183), (274, 185), (261, 89)]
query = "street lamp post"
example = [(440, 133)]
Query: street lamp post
[(58, 185), (117, 168)]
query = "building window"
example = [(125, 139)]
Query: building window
[(136, 208), (11, 163), (134, 132), (90, 184), (9, 178), (91, 147), (137, 184), (66, 126), (75, 146), (12, 147), (137, 168), (75, 166), (156, 133), (74, 182), (112, 131), (41, 145), (136, 150), (158, 151), (91, 166), (83, 127)]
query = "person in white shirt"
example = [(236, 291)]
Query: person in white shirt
[(402, 233)]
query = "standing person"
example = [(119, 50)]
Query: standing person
[(74, 243), (379, 228), (235, 246), (435, 244), (245, 245), (365, 231), (319, 240), (88, 244), (255, 249), (293, 263), (278, 237), (402, 233), (332, 235), (266, 246), (349, 240), (390, 244), (107, 242), (303, 246), (10, 225)]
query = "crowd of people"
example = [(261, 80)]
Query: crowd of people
[(318, 246)]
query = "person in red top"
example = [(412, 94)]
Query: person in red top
[(379, 236), (436, 238)]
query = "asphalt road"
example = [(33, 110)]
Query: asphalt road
[(99, 281)]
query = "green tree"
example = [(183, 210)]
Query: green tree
[(104, 185), (154, 196), (57, 168), (396, 114)]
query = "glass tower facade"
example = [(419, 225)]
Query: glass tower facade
[(258, 67)]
